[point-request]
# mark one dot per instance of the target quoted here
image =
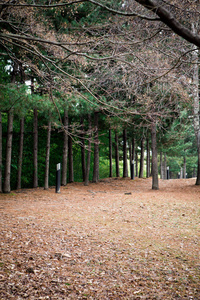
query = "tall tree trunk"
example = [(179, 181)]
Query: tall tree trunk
[(71, 167), (1, 159), (141, 173), (155, 185), (136, 164), (165, 166), (65, 149), (133, 148), (110, 153), (35, 149), (87, 173), (21, 145), (148, 160), (162, 167), (96, 149), (46, 176), (7, 187), (117, 154), (82, 138), (133, 156), (125, 166), (196, 106), (8, 152), (130, 158), (21, 140)]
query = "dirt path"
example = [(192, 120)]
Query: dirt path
[(117, 239)]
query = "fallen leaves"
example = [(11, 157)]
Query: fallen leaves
[(143, 245)]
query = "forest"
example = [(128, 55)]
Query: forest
[(102, 87)]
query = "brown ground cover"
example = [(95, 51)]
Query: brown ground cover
[(117, 239)]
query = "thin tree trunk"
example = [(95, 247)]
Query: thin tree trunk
[(117, 154), (196, 106), (65, 149), (1, 153), (142, 159), (110, 153), (21, 145), (87, 173), (130, 158), (162, 167), (71, 167), (133, 148), (155, 185), (125, 166), (35, 149), (136, 164), (96, 149), (7, 188), (46, 178), (148, 160), (165, 166), (82, 149)]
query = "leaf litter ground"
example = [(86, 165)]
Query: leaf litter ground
[(116, 239)]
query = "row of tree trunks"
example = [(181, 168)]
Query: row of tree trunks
[(67, 149)]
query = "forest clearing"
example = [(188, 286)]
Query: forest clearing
[(115, 239)]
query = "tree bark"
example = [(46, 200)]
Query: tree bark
[(196, 106), (82, 138), (65, 149), (162, 166), (35, 149), (71, 167), (21, 145), (148, 160), (136, 164), (155, 185), (125, 166), (110, 153), (117, 155), (130, 158), (7, 187), (87, 173), (141, 173), (165, 166), (46, 176), (96, 149), (1, 159)]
